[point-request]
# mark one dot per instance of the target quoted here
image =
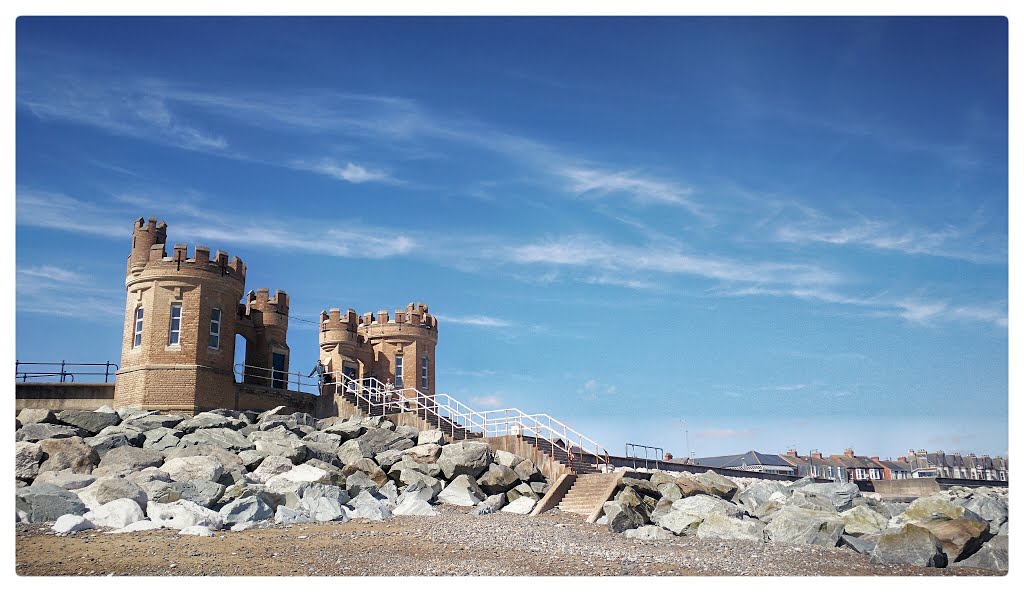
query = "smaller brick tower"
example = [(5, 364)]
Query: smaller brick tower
[(265, 334)]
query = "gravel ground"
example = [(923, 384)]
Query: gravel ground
[(452, 544)]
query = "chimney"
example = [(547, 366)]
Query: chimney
[(668, 456), (848, 452), (902, 459), (874, 458), (792, 453), (815, 454)]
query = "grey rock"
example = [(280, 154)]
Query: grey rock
[(490, 505), (755, 494), (528, 472), (246, 509), (108, 489), (103, 444), (649, 533), (621, 517), (182, 513), (27, 456), (521, 490), (389, 490), (207, 420), (498, 479), (507, 459), (640, 486), (959, 538), (323, 503), (801, 526), (659, 478), (464, 458), (670, 491), (69, 523), (716, 485), (219, 437), (323, 438), (841, 495), (30, 415), (320, 451), (334, 474), (462, 491), (271, 467), (194, 468), (359, 482), (201, 492), (90, 421), (289, 446), (161, 438), (664, 506), (154, 421), (34, 432), (993, 509), (45, 503), (523, 505), (132, 434), (135, 459), (862, 545), (116, 513), (994, 554), (413, 506), (811, 501), (388, 458), (910, 545), (706, 505), (251, 459), (370, 468), (370, 444), (407, 431), (411, 478), (303, 473), (423, 454), (65, 479), (139, 526), (863, 520), (197, 530), (346, 430), (541, 487), (286, 515), (720, 526), (368, 507), (227, 458), (68, 453), (431, 437)]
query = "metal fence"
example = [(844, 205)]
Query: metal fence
[(631, 453), (63, 371)]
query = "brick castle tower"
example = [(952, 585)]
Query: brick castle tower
[(181, 319)]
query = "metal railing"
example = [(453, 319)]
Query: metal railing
[(659, 454), (63, 371), (277, 379), (454, 416)]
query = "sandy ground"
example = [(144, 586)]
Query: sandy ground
[(553, 544)]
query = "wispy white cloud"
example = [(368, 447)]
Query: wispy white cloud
[(475, 320), (638, 187), (484, 402), (58, 211), (61, 292), (593, 390), (784, 387), (589, 252), (353, 173)]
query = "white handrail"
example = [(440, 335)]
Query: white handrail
[(495, 422)]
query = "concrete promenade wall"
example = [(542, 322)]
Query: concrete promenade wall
[(58, 396)]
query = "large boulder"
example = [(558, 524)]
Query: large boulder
[(522, 505), (286, 515), (219, 437), (133, 459), (430, 437), (521, 490), (498, 479), (132, 434), (462, 491), (104, 444), (68, 453), (369, 468), (621, 517), (959, 538), (507, 459), (910, 545), (27, 456), (863, 520), (811, 501), (346, 430), (800, 526), (271, 466), (183, 513), (116, 513), (207, 420), (720, 526), (370, 444), (649, 533), (66, 479), (424, 453), (161, 438), (323, 503), (303, 473), (69, 523), (528, 472), (490, 505), (714, 484), (90, 421), (926, 509), (108, 489), (677, 521), (464, 458), (669, 491), (359, 482), (229, 459), (153, 421), (841, 495), (45, 503), (201, 492), (246, 509), (368, 507), (34, 432), (993, 509), (31, 415), (755, 494), (276, 443), (993, 555), (863, 545), (194, 468), (412, 478), (414, 506), (705, 505)]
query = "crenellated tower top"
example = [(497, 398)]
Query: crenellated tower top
[(149, 255)]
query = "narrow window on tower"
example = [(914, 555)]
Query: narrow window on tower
[(424, 374), (138, 327), (215, 328), (174, 336), (398, 371)]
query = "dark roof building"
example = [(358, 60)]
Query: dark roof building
[(758, 462)]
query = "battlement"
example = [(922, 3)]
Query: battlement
[(149, 251), (333, 320), (414, 315), (260, 300)]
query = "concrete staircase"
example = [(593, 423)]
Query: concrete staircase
[(589, 493)]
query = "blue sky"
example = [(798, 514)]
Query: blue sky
[(780, 231)]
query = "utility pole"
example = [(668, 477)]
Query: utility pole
[(686, 431)]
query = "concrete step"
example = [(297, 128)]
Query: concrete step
[(589, 493)]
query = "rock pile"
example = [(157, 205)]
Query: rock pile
[(964, 525), (126, 470)]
